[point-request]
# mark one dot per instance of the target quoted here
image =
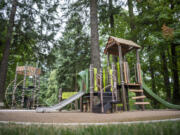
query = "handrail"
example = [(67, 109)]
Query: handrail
[(7, 90), (14, 90)]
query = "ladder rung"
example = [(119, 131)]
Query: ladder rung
[(141, 103), (133, 90), (133, 84), (139, 97)]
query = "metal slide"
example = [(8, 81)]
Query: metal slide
[(162, 101), (62, 104)]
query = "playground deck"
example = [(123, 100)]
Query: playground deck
[(79, 117)]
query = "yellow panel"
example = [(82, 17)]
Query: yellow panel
[(66, 95), (95, 83)]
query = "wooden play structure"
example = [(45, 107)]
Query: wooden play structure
[(27, 91), (107, 90), (118, 86)]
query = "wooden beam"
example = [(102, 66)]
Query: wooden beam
[(122, 78), (134, 90), (108, 64), (141, 103), (101, 90), (91, 87), (24, 86), (60, 94), (139, 97)]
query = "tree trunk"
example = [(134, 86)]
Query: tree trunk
[(4, 62), (176, 93), (166, 76), (132, 20), (95, 53), (111, 20)]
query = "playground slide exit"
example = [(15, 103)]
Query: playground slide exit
[(62, 104), (156, 97)]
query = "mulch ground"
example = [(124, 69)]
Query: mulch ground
[(79, 117)]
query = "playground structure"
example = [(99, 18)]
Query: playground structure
[(118, 86), (108, 89), (96, 96), (29, 93)]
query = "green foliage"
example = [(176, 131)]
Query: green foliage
[(52, 90), (73, 54)]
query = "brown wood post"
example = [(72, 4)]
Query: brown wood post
[(24, 86), (115, 85), (114, 81), (108, 65), (91, 87), (81, 100), (101, 90), (81, 104), (35, 87), (14, 87), (60, 94), (37, 91), (122, 78), (139, 76)]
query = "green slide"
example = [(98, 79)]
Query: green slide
[(162, 101)]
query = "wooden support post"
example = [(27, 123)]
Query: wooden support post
[(81, 98), (60, 94), (35, 87), (139, 76), (128, 73), (108, 65), (81, 104), (122, 78), (114, 81), (115, 85), (91, 87), (14, 88), (101, 91), (24, 86), (37, 91), (127, 98)]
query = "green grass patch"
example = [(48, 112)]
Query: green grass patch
[(160, 128)]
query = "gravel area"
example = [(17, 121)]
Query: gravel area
[(79, 117)]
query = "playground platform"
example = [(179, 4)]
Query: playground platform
[(80, 117)]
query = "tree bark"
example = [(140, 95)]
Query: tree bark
[(176, 93), (166, 75), (95, 53), (111, 20), (132, 20), (4, 62)]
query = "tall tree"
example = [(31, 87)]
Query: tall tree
[(176, 91), (132, 20), (32, 24), (95, 51), (4, 61), (111, 20)]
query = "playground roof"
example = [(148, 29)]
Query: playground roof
[(113, 42), (30, 71)]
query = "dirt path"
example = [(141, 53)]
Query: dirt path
[(78, 117)]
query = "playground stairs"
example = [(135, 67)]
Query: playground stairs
[(139, 97)]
